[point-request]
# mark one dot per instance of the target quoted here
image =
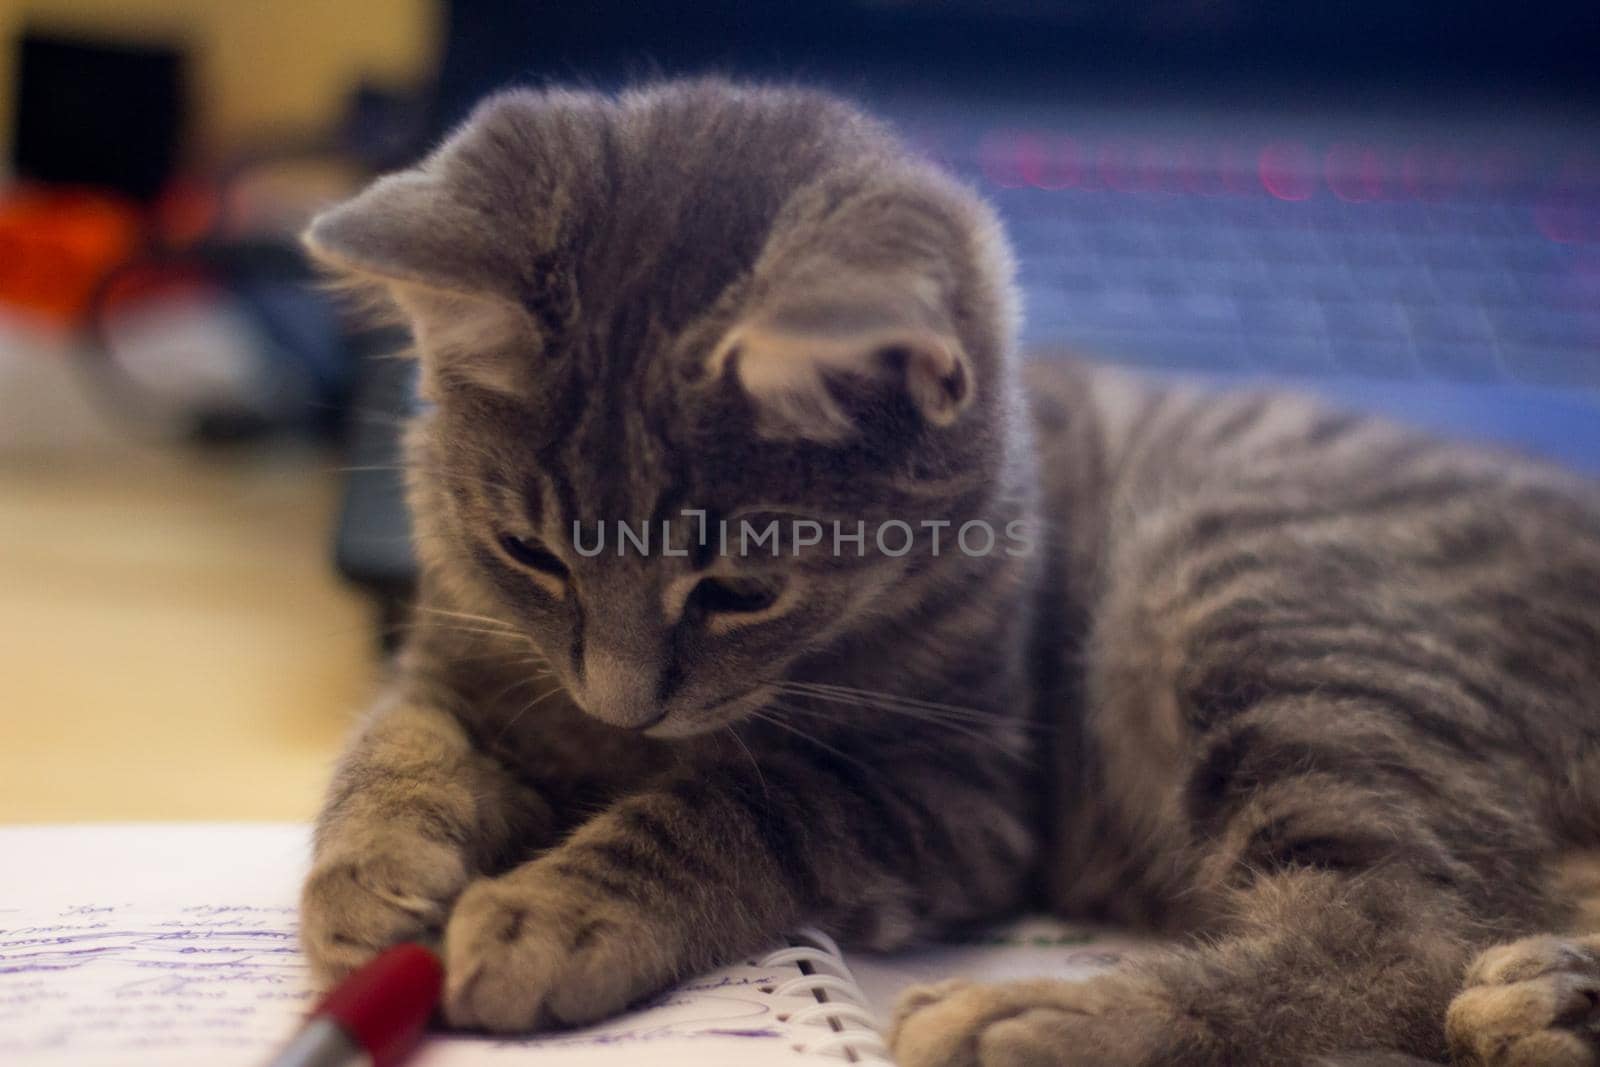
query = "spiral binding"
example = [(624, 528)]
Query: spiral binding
[(841, 1007)]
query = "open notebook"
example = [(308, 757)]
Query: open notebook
[(175, 944)]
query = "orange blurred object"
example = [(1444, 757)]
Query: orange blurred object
[(57, 244)]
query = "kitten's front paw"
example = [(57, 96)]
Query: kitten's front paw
[(1111, 1021), (359, 900), (524, 952), (1532, 1003)]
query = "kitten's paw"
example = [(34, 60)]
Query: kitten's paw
[(359, 901), (525, 953), (1111, 1021), (1532, 1003)]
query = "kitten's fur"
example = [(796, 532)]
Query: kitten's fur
[(1317, 691)]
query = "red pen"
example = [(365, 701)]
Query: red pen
[(374, 1017)]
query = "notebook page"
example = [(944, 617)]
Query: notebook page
[(123, 945)]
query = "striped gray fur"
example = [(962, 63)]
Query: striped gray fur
[(1312, 692)]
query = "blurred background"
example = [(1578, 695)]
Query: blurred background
[(202, 549)]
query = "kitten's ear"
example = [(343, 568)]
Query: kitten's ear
[(406, 228), (435, 259), (888, 334)]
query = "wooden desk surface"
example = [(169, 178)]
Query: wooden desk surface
[(173, 641)]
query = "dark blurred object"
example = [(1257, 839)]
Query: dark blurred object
[(1393, 205), (222, 340), (372, 544), (225, 263), (98, 126), (216, 336), (98, 113), (203, 318)]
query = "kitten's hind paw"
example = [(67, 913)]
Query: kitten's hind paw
[(1531, 1003), (1107, 1022)]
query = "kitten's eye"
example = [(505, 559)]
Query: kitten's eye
[(532, 554), (733, 596)]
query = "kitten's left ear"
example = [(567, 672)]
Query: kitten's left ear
[(890, 334), (407, 228), (436, 259)]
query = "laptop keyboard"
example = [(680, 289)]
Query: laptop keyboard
[(1265, 269)]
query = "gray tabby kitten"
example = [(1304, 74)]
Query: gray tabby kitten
[(1320, 693)]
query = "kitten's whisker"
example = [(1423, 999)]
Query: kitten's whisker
[(751, 756), (468, 616), (971, 733), (452, 628), (513, 658), (520, 683), (434, 469), (885, 695), (380, 416), (772, 719), (927, 711), (893, 708), (930, 710), (518, 717), (967, 721)]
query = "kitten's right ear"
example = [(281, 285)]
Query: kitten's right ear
[(891, 330), (435, 259)]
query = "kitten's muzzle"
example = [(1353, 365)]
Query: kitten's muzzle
[(643, 726), (619, 691)]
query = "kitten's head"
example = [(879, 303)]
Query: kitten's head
[(692, 309)]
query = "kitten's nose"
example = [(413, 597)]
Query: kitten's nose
[(619, 690)]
